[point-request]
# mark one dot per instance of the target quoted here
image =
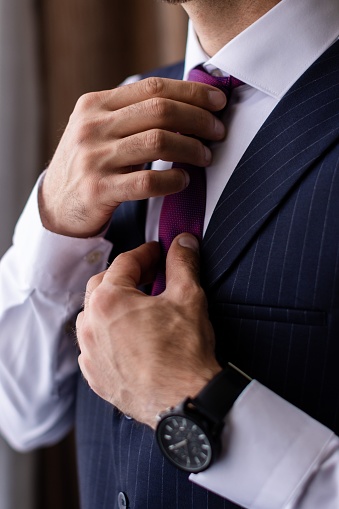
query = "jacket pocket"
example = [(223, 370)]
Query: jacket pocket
[(270, 313)]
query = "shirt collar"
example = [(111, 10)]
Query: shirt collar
[(276, 50)]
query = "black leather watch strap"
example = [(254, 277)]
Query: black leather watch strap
[(218, 396)]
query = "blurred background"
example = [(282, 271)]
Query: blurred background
[(51, 52)]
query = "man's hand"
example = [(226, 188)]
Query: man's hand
[(111, 135), (142, 353)]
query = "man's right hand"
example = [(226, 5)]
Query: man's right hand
[(100, 160)]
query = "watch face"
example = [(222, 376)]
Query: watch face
[(184, 443)]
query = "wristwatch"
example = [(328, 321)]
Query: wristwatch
[(189, 435)]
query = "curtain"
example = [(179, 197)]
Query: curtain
[(90, 45), (19, 111), (83, 45), (19, 160), (17, 479)]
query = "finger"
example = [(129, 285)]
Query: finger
[(160, 144), (134, 267), (79, 320), (82, 366), (182, 266), (198, 94), (166, 114), (92, 284), (143, 184), (78, 325)]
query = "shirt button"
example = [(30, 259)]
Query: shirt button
[(217, 72), (94, 257), (122, 500)]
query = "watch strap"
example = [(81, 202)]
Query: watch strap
[(218, 396)]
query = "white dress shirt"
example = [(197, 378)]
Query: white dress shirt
[(278, 457)]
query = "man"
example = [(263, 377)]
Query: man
[(269, 268)]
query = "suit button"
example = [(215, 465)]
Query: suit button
[(122, 500)]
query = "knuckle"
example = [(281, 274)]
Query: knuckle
[(191, 293), (96, 299), (159, 107), (93, 282), (198, 293), (196, 298), (192, 89), (84, 334), (193, 92), (87, 101), (101, 300), (122, 257), (120, 262), (155, 140), (154, 86), (84, 132), (144, 182)]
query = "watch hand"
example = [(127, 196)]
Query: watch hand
[(178, 445)]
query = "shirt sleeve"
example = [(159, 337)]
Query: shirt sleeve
[(274, 456), (42, 283)]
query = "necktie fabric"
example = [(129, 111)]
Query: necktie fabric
[(185, 211)]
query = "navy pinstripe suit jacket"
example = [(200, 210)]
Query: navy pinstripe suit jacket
[(270, 266)]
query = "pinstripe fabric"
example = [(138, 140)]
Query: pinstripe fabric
[(117, 454), (279, 303), (271, 266), (301, 127)]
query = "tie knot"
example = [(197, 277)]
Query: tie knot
[(224, 83)]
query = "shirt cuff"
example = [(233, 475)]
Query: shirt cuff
[(49, 261), (270, 450)]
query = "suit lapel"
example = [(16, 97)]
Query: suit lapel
[(302, 126)]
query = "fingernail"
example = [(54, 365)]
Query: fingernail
[(189, 241), (219, 128), (187, 178), (217, 99)]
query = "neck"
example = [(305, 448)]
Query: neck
[(217, 22)]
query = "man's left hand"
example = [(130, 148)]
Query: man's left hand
[(146, 353)]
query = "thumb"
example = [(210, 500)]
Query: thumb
[(134, 267), (182, 264)]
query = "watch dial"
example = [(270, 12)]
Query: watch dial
[(185, 443)]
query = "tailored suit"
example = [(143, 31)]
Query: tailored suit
[(270, 269)]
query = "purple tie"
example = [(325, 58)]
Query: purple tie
[(185, 211)]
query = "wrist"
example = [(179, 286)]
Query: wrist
[(71, 223), (189, 435), (180, 390), (46, 215)]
